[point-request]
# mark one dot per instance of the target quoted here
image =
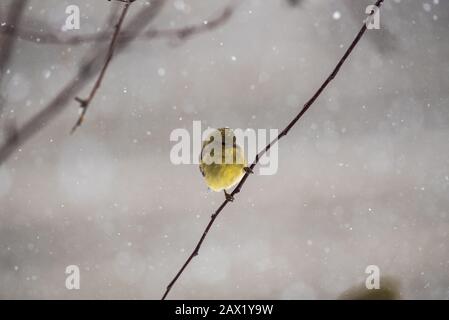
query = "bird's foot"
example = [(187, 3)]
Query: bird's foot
[(229, 196), (248, 170)]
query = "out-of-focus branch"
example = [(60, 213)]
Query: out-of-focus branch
[(7, 43), (188, 31), (174, 33), (91, 66), (283, 133), (84, 103), (86, 72)]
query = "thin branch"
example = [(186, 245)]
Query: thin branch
[(174, 33), (188, 31), (283, 133), (87, 71), (7, 43), (84, 103)]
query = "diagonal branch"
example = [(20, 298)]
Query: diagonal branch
[(84, 103), (87, 71), (283, 133)]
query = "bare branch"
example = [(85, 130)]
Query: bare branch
[(84, 103), (91, 66), (175, 33), (283, 133), (87, 71), (7, 43)]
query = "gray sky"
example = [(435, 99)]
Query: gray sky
[(363, 179)]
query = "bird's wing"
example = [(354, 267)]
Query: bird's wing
[(202, 171)]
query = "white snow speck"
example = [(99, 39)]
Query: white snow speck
[(336, 15), (47, 74)]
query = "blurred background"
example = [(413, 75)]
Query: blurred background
[(363, 179)]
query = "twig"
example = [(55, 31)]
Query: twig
[(283, 133), (84, 103), (87, 70), (7, 43), (175, 33), (188, 31)]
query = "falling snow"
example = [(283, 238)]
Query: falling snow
[(363, 179)]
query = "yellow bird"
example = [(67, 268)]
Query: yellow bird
[(222, 161)]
